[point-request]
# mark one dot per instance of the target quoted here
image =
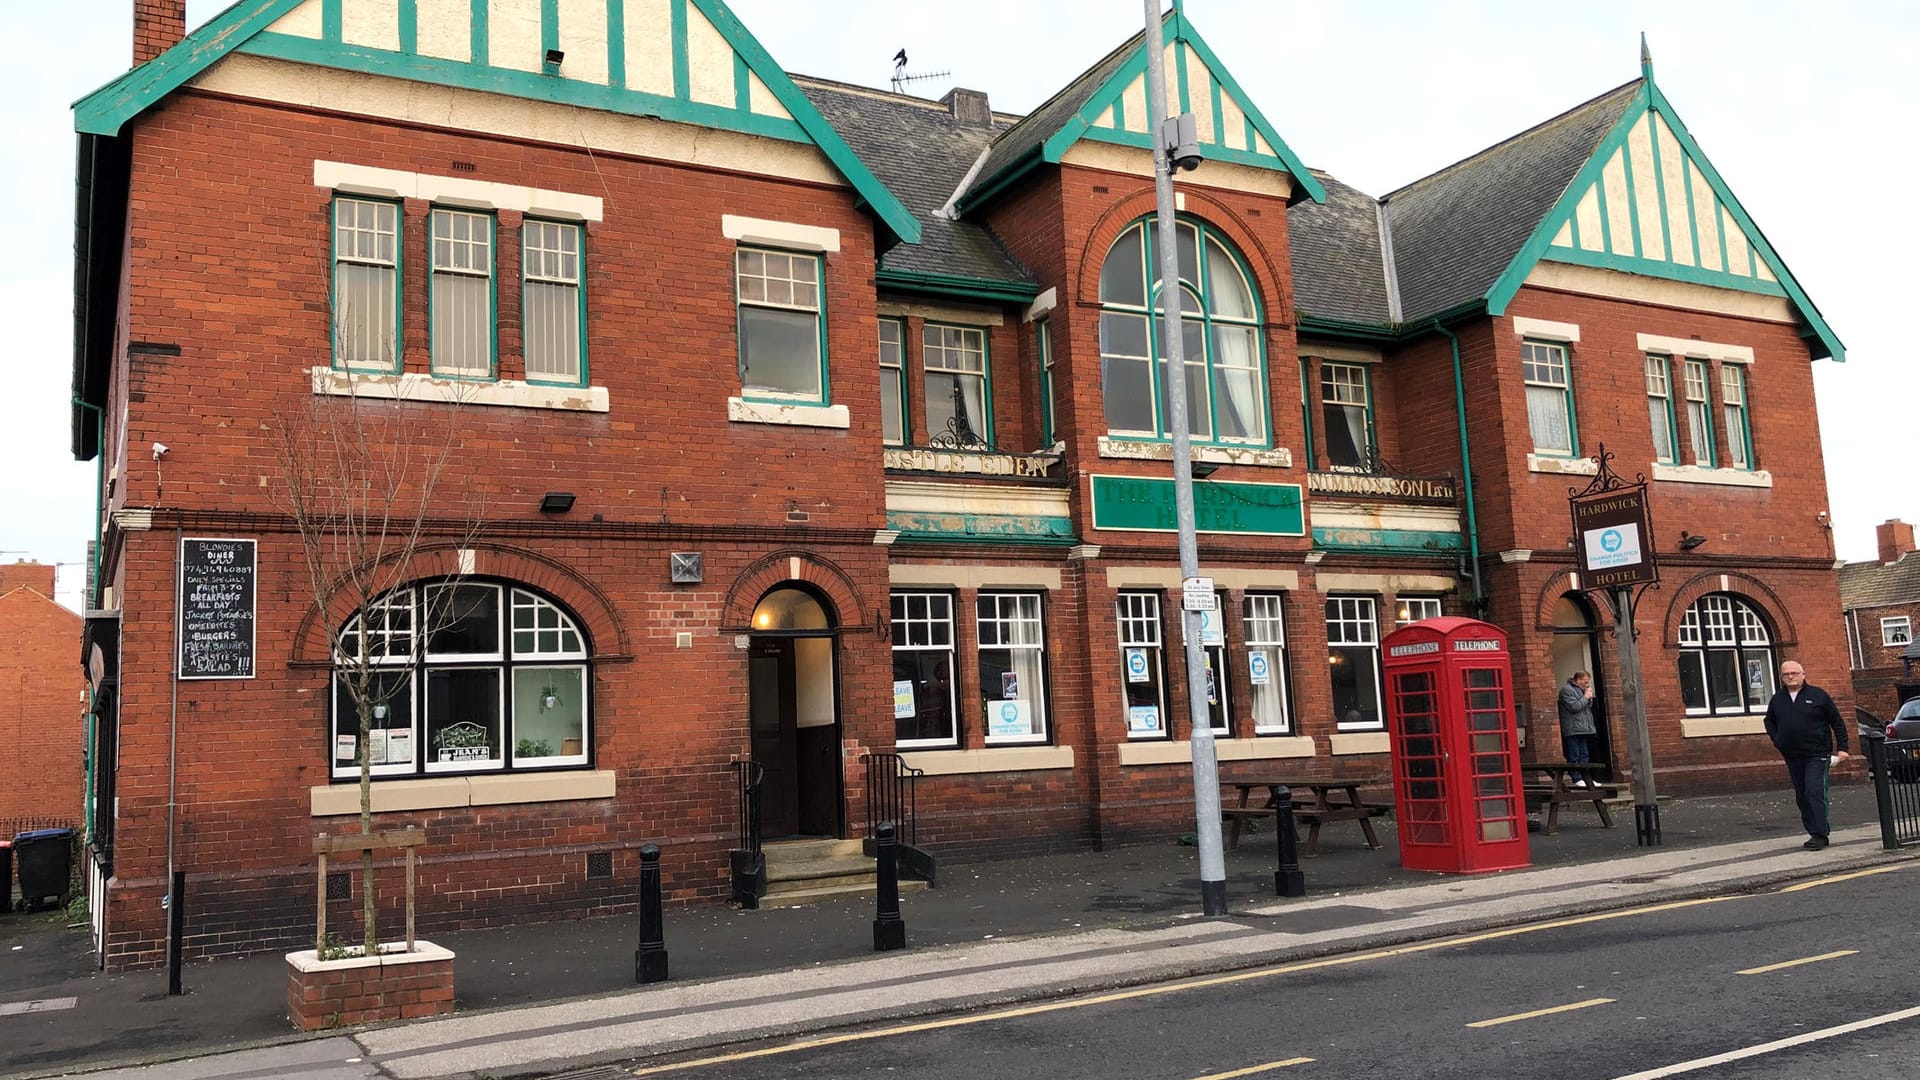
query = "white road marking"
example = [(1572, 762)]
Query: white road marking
[(1797, 963), (1777, 1045), (1587, 1004), (15, 1008), (1256, 1069)]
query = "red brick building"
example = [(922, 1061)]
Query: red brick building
[(1881, 605), (43, 701), (810, 422)]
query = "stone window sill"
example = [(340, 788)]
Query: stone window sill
[(1359, 742), (1694, 474), (1001, 759), (414, 386), (1144, 450), (447, 792), (1706, 727), (1181, 753), (1547, 463), (741, 411)]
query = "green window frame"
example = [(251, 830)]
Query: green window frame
[(367, 254), (1733, 403), (1547, 369), (895, 420), (1223, 346), (781, 324), (954, 360), (553, 302), (462, 343), (1699, 413), (1306, 408), (1344, 390), (1043, 343), (1666, 432)]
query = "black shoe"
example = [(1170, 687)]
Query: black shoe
[(1815, 843)]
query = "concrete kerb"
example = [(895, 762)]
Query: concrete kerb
[(1188, 949)]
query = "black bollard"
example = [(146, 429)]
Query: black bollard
[(889, 931), (1288, 880), (176, 930), (650, 959)]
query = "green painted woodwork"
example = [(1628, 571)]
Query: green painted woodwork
[(477, 34), (549, 34), (409, 16), (1648, 98), (1000, 528), (1388, 541), (331, 19), (957, 285), (1043, 353), (1145, 504), (107, 109), (616, 42), (579, 294), (677, 16), (333, 276)]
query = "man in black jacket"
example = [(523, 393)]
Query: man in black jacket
[(1806, 728)]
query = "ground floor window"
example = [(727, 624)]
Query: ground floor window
[(1265, 631), (1353, 661), (1013, 667), (923, 691), (1142, 665), (1408, 610), (460, 676), (1213, 646), (1726, 657)]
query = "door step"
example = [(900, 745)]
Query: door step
[(808, 871)]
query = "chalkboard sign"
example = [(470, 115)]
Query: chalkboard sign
[(217, 608)]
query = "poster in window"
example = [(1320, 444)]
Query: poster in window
[(903, 699), (1210, 631), (1258, 673), (377, 747), (1137, 665), (1213, 689), (399, 746), (1756, 679), (1144, 719), (1009, 718), (343, 747), (1009, 685)]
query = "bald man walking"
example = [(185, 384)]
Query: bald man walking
[(1806, 728)]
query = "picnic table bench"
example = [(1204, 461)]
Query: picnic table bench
[(1315, 803), (1552, 784)]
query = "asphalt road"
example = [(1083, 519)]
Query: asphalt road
[(1643, 993)]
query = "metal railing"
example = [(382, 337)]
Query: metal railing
[(749, 776), (1895, 765), (892, 795)]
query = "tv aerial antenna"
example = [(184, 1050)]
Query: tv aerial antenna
[(901, 77)]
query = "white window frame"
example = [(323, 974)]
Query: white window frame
[(1415, 608), (893, 379), (1139, 625), (544, 262), (949, 351), (1353, 622), (814, 306), (1009, 620), (1731, 623), (445, 264), (1539, 361), (1896, 630), (1263, 621), (940, 613), (1346, 387)]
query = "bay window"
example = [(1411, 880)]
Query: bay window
[(1347, 410), (893, 382), (955, 359)]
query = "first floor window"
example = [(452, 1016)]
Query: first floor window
[(1142, 672), (366, 284), (1013, 667), (1048, 421), (1345, 406), (552, 302), (781, 355), (462, 295), (1733, 402), (1699, 419), (1660, 408), (1726, 657), (460, 677), (1896, 630), (1265, 632), (923, 692), (1353, 659), (1549, 396), (893, 382), (955, 359)]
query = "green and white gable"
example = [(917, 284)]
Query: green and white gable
[(682, 61)]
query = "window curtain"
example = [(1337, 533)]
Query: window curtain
[(1547, 418), (1239, 369)]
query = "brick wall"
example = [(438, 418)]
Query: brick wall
[(42, 703)]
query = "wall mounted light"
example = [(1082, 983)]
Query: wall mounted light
[(1204, 469), (1689, 541), (555, 56), (556, 502)]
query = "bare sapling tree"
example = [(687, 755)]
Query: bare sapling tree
[(365, 468)]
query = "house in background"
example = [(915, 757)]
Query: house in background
[(43, 704), (823, 436), (1881, 605)]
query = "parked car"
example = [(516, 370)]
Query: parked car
[(1903, 738)]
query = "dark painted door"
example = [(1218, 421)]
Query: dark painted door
[(772, 708)]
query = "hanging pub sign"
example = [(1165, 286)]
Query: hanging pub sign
[(1613, 538), (217, 608)]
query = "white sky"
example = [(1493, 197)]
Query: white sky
[(1807, 111)]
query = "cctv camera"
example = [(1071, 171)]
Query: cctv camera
[(159, 449), (1180, 134)]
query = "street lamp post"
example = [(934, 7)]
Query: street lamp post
[(1168, 141)]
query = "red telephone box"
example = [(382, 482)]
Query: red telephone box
[(1456, 761)]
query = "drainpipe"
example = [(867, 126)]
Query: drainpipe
[(92, 600), (1466, 470)]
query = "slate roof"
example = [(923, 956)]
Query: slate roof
[(1338, 273), (921, 153), (1456, 231), (1046, 121), (1875, 584)]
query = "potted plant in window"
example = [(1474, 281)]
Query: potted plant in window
[(363, 491)]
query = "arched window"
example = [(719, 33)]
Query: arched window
[(1226, 375), (1726, 657), (461, 676)]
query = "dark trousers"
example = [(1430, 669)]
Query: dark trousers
[(1809, 776), (1576, 747)]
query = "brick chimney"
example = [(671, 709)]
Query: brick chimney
[(969, 107), (158, 25), (33, 575), (1896, 539)]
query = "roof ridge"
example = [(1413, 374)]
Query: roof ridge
[(930, 104), (1511, 139)]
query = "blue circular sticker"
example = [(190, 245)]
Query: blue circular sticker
[(1611, 540)]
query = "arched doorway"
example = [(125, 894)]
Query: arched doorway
[(1576, 647), (794, 711)]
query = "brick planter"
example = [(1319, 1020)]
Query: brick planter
[(395, 985)]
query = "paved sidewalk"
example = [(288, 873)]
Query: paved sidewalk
[(539, 998)]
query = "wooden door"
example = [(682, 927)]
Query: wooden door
[(775, 747)]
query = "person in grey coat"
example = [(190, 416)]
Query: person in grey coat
[(1576, 719)]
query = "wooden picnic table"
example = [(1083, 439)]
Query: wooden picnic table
[(1315, 802), (1553, 784)]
